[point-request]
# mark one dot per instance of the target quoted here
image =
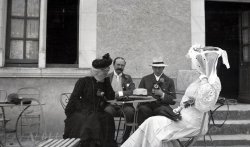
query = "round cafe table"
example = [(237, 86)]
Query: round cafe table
[(135, 100)]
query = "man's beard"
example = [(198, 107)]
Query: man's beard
[(119, 70)]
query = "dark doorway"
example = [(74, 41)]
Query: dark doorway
[(228, 27), (62, 32), (222, 30)]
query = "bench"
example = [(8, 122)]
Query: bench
[(69, 142)]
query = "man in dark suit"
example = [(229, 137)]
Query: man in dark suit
[(162, 88), (123, 85)]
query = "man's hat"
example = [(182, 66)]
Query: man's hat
[(102, 63), (158, 62)]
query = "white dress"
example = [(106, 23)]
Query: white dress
[(155, 129)]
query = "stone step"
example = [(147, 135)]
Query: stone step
[(232, 112), (235, 131), (224, 146), (237, 107), (230, 127), (224, 140)]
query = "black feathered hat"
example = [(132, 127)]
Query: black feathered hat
[(102, 63)]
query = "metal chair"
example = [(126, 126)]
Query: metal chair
[(3, 98), (64, 99), (31, 117), (3, 119), (190, 140)]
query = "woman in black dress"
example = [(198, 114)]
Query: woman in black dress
[(86, 118)]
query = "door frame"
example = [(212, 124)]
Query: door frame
[(198, 24)]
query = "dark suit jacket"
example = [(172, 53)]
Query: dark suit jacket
[(127, 83), (165, 83)]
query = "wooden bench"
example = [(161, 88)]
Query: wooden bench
[(69, 142)]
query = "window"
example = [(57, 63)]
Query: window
[(23, 33), (16, 37), (62, 32), (22, 41)]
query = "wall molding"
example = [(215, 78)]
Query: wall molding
[(44, 72)]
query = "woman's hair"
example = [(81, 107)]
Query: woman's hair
[(104, 62), (118, 58)]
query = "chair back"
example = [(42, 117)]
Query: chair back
[(3, 95), (3, 98), (29, 95), (64, 99), (31, 117)]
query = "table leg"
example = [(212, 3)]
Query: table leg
[(119, 123), (135, 124)]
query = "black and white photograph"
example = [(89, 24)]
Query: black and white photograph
[(124, 73)]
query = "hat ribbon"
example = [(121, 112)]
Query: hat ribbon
[(158, 62)]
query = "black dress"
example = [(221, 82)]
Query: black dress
[(86, 118)]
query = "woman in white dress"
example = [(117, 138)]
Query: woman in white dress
[(204, 92)]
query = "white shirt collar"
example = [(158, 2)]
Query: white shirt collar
[(117, 74), (157, 77)]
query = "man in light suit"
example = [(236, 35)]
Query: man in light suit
[(162, 88), (123, 85)]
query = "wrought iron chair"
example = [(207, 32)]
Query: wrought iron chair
[(3, 119), (64, 99), (31, 116), (3, 98)]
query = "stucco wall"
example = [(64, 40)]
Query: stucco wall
[(140, 30)]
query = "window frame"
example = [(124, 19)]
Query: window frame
[(86, 47), (20, 62)]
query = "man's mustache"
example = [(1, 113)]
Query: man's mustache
[(119, 69)]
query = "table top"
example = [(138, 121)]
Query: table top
[(137, 99), (141, 96), (6, 105), (12, 104)]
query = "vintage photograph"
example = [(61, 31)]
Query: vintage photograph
[(124, 73)]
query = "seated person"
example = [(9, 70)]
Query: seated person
[(203, 93), (85, 115), (123, 85), (160, 87)]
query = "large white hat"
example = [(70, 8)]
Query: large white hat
[(158, 62)]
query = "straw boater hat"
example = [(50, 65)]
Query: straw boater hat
[(158, 62)]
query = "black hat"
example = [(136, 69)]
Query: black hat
[(102, 63)]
